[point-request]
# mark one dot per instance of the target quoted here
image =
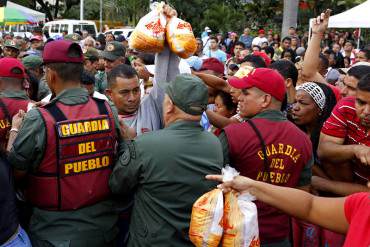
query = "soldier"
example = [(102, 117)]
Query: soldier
[(11, 48), (12, 95), (267, 147), (166, 168), (66, 150)]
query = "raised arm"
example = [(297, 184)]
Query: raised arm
[(213, 81), (311, 60), (326, 212)]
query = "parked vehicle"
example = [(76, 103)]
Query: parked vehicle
[(118, 31), (56, 28)]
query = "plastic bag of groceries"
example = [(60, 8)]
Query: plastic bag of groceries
[(180, 37), (240, 222), (206, 220), (149, 33)]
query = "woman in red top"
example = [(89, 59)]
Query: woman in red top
[(348, 215)]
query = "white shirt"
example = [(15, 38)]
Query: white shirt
[(259, 41), (95, 95)]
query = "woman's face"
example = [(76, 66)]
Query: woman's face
[(220, 108), (305, 111)]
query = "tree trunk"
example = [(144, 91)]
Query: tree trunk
[(45, 7), (290, 16), (56, 9)]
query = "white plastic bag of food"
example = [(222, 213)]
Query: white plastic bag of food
[(240, 220), (180, 37), (149, 34), (206, 220)]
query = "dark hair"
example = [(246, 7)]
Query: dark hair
[(367, 53), (292, 54), (122, 71), (330, 102), (255, 60), (324, 61), (364, 83), (213, 37), (269, 51), (359, 71), (287, 69), (239, 43), (34, 86), (259, 47), (287, 38), (114, 38), (147, 58), (227, 100), (87, 78), (67, 71)]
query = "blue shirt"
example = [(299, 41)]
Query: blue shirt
[(247, 40), (220, 55)]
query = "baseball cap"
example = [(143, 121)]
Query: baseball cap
[(74, 37), (57, 52), (12, 67), (32, 61), (213, 64), (36, 37), (188, 93), (261, 31), (300, 51), (11, 43), (91, 53), (113, 50), (267, 80)]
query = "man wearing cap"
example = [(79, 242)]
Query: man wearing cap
[(267, 147), (260, 39), (74, 37), (11, 48), (13, 96), (36, 44), (91, 60), (34, 65), (113, 55), (166, 168), (66, 150)]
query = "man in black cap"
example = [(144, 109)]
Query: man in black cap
[(166, 168)]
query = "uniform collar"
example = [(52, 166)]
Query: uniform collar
[(273, 115), (184, 124), (72, 94), (19, 94)]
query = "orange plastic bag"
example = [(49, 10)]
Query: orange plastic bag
[(149, 33), (180, 37), (240, 221), (240, 216), (206, 220)]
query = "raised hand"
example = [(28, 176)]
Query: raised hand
[(320, 24)]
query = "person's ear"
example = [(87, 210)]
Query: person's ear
[(288, 82), (267, 98)]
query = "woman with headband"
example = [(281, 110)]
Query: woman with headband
[(314, 103)]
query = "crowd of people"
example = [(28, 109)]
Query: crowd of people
[(102, 145)]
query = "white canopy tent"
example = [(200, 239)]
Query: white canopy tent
[(357, 17), (37, 16)]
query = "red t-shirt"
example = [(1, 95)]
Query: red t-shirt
[(344, 123), (357, 212)]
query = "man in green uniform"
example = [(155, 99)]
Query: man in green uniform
[(11, 48), (113, 55), (166, 168), (66, 150)]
